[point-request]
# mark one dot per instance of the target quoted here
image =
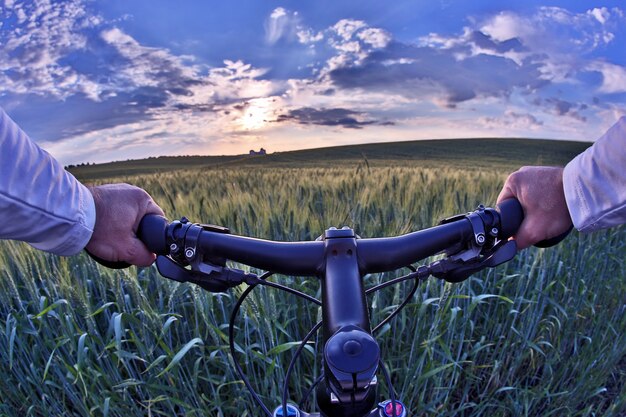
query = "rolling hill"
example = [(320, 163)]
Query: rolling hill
[(480, 153)]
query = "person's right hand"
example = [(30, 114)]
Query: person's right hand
[(119, 210), (540, 192)]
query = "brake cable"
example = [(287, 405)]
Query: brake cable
[(231, 342)]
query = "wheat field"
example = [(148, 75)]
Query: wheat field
[(544, 335)]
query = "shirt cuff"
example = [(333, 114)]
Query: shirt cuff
[(78, 235), (575, 194)]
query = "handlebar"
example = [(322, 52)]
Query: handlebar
[(340, 259), (306, 258)]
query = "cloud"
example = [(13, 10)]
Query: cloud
[(308, 36), (375, 37), (512, 120), (474, 42), (282, 24), (94, 81), (36, 37), (600, 14), (346, 28), (144, 66), (613, 77), (87, 75), (499, 56), (354, 40), (554, 29), (345, 118), (561, 107), (416, 72)]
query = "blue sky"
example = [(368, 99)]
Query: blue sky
[(94, 81)]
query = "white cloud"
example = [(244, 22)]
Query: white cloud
[(44, 32), (307, 36), (475, 42), (613, 77), (507, 25), (376, 37), (600, 14), (346, 28), (240, 81), (555, 39), (353, 40), (282, 24), (158, 67), (554, 29), (168, 74)]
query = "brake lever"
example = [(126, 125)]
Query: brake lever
[(457, 269), (211, 277)]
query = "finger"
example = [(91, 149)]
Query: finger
[(527, 234), (509, 189), (102, 250), (136, 253), (505, 194), (150, 207), (153, 208)]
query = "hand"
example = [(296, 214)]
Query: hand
[(540, 192), (119, 209)]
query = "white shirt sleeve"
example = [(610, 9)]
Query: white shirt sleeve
[(595, 182), (40, 202)]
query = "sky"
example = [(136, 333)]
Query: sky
[(103, 80)]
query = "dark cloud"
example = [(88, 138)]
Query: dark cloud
[(566, 108), (525, 117), (328, 117), (412, 71), (58, 120), (486, 42), (512, 120)]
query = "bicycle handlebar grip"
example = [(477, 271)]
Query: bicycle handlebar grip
[(151, 232), (511, 216)]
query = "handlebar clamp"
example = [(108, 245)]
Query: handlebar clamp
[(484, 250), (212, 275)]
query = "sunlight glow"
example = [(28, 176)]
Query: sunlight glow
[(256, 114)]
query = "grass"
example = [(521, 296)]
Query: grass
[(544, 334), (481, 154)]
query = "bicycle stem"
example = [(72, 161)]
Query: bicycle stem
[(351, 354)]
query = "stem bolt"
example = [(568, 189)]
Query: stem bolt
[(480, 238), (189, 253)]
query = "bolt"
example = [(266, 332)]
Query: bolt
[(494, 231), (189, 252), (480, 239), (173, 247)]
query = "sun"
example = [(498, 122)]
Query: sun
[(256, 115)]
